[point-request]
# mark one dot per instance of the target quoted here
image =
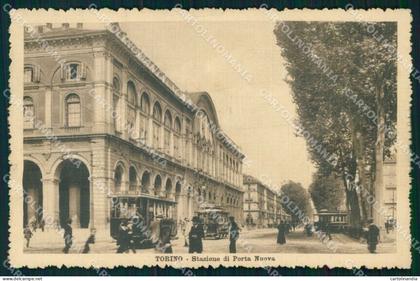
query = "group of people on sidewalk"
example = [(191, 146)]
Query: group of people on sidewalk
[(196, 236), (160, 236), (371, 233), (193, 235)]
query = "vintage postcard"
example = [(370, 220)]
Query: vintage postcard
[(255, 138)]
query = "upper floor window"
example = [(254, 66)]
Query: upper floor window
[(131, 90), (28, 75), (168, 120), (116, 84), (177, 129), (144, 103), (28, 113), (157, 112), (73, 71), (167, 134), (73, 111), (177, 126), (31, 74)]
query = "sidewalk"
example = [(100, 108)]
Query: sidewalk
[(250, 241)]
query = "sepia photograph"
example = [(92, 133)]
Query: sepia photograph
[(206, 137)]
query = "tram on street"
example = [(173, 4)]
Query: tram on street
[(337, 221), (149, 218), (215, 222)]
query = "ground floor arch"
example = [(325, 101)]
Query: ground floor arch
[(74, 193), (32, 194)]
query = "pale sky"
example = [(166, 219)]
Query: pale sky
[(267, 140)]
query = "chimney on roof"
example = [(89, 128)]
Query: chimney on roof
[(79, 25), (40, 29), (49, 25), (65, 25)]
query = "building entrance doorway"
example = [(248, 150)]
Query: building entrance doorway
[(74, 194)]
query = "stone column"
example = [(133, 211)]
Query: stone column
[(50, 201), (149, 140), (99, 95), (190, 204), (123, 103), (161, 145), (171, 144), (48, 108), (109, 92), (100, 185)]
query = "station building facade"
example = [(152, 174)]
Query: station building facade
[(107, 134)]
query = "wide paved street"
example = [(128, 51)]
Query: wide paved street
[(252, 241)]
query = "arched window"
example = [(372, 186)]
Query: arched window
[(167, 121), (145, 103), (116, 114), (157, 185), (145, 182), (131, 91), (177, 136), (157, 112), (132, 102), (116, 84), (133, 179), (145, 109), (168, 188), (157, 116), (28, 113), (118, 175), (73, 111)]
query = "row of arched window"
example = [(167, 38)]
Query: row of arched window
[(141, 108), (144, 184)]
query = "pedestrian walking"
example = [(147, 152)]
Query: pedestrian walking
[(68, 236), (34, 224), (373, 236), (122, 237), (281, 235), (130, 238), (327, 230), (308, 229), (233, 235), (387, 226), (42, 224), (165, 240), (28, 235), (185, 228), (196, 236), (90, 240)]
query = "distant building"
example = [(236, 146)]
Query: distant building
[(262, 205)]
